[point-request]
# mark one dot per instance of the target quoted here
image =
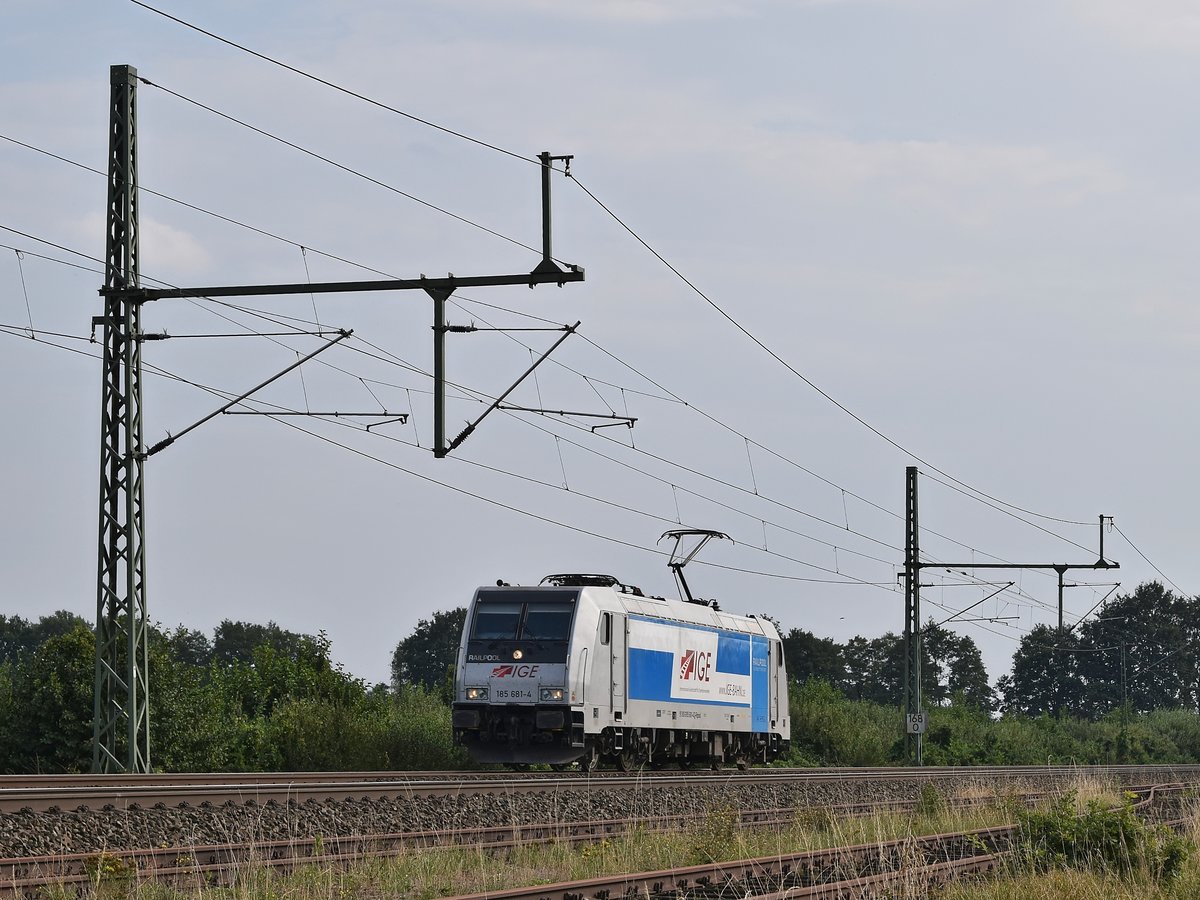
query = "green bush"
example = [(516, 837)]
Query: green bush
[(408, 730), (830, 730), (1181, 727), (417, 734), (1100, 840)]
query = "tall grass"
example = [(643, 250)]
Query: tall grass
[(716, 836), (1134, 874)]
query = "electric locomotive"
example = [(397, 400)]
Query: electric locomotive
[(583, 668)]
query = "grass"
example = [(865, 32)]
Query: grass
[(424, 874), (1091, 884)]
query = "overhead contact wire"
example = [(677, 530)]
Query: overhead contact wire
[(337, 87), (494, 147), (278, 320), (671, 396), (1182, 593), (779, 359), (337, 165)]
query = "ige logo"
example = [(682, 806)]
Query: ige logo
[(694, 665), (514, 671)]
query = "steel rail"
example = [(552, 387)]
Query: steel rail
[(214, 864), (395, 774), (881, 884), (492, 774), (864, 870), (45, 793), (826, 868), (497, 837)]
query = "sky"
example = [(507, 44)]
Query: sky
[(823, 240)]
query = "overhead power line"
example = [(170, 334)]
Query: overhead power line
[(844, 577), (673, 397), (23, 331), (279, 319), (389, 358), (1182, 592), (1009, 513), (200, 209), (582, 375), (538, 517), (49, 243), (738, 325), (779, 359), (337, 87), (679, 274), (337, 165), (61, 262)]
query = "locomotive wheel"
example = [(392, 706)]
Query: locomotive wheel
[(627, 760), (560, 767)]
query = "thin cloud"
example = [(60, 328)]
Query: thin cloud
[(1149, 24), (647, 12)]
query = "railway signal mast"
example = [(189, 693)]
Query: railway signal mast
[(121, 728), (915, 718)]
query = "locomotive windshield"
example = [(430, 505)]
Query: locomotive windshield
[(497, 621), (539, 621), (548, 622)]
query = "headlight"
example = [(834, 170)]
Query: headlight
[(477, 693), (552, 693)]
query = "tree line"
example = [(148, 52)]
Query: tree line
[(1122, 686), (1141, 649), (251, 698)]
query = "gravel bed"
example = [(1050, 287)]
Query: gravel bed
[(25, 834)]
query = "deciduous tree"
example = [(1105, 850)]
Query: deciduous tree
[(808, 656), (427, 655)]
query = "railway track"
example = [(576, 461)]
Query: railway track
[(904, 867), (943, 855), (171, 863), (839, 872), (21, 793)]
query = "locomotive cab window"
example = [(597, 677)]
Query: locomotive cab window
[(536, 624), (497, 622), (547, 622)]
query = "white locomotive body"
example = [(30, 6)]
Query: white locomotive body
[(585, 668)]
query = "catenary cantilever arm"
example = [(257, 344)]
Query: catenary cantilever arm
[(170, 439), (466, 432)]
